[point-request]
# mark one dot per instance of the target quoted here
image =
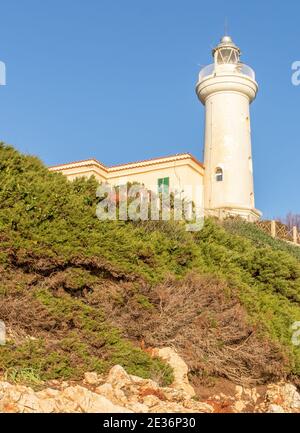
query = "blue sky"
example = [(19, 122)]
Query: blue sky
[(114, 79)]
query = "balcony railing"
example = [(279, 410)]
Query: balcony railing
[(240, 68)]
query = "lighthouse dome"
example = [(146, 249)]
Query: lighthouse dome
[(226, 52)]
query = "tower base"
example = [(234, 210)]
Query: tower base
[(227, 211)]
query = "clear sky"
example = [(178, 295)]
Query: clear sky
[(115, 79)]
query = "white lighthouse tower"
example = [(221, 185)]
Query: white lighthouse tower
[(226, 88)]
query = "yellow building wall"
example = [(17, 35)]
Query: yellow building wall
[(185, 175)]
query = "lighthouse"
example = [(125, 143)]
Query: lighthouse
[(226, 88)]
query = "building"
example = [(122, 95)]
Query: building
[(223, 185), (181, 173)]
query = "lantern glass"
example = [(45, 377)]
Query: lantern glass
[(227, 55)]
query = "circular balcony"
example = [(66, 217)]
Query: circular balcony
[(224, 69)]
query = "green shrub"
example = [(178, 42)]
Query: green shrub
[(54, 250)]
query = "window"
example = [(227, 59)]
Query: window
[(163, 185), (219, 174), (227, 56)]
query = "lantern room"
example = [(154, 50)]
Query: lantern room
[(226, 52)]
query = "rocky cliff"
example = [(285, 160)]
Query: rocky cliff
[(120, 392)]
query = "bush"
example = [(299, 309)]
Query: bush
[(79, 286)]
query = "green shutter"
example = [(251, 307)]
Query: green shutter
[(166, 185), (163, 185), (159, 184)]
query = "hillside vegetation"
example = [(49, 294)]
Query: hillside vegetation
[(78, 294)]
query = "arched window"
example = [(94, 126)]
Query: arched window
[(219, 174)]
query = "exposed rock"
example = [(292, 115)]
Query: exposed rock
[(107, 391), (113, 393), (180, 369), (239, 406), (285, 395), (118, 377), (121, 392), (72, 399), (275, 408), (145, 395), (291, 396), (239, 392), (91, 402), (138, 407), (91, 378), (124, 393)]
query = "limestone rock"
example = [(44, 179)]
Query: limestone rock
[(118, 377), (180, 369), (106, 390), (285, 395), (91, 378), (138, 407), (115, 394), (290, 396), (124, 393), (91, 402), (239, 406), (275, 408)]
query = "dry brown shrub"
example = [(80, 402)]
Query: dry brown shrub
[(26, 316), (197, 315), (209, 326), (204, 321)]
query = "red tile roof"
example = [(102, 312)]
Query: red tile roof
[(120, 166)]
